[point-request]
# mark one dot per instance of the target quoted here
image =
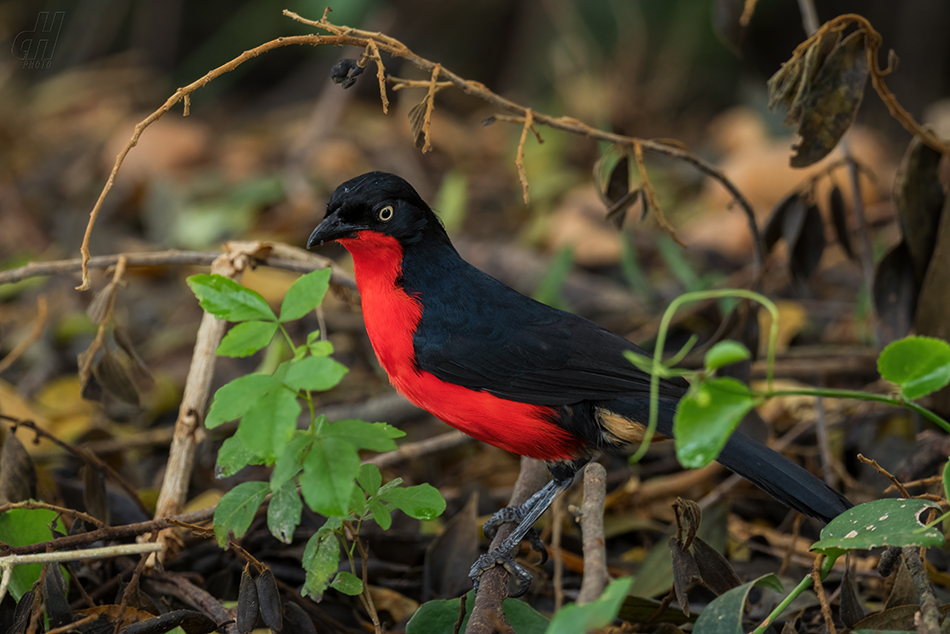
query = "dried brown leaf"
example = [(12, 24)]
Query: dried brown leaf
[(851, 610), (115, 377), (839, 220), (417, 117), (17, 471), (248, 607), (100, 308), (618, 182), (716, 572), (449, 557), (94, 492), (806, 249), (895, 293), (903, 591), (775, 227), (688, 518), (919, 199), (831, 101), (269, 597), (685, 572)]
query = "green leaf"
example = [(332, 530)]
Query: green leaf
[(319, 347), (363, 435), (347, 583), (706, 417), (726, 353), (440, 616), (321, 558), (233, 456), (918, 365), (226, 299), (305, 295), (269, 424), (314, 373), (724, 614), (24, 527), (591, 616), (233, 399), (246, 338), (369, 478), (887, 522), (237, 508), (946, 480), (284, 512), (381, 514), (421, 502), (329, 473), (290, 461)]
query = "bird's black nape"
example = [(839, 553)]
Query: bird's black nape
[(361, 204)]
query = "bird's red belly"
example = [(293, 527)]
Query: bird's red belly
[(391, 317)]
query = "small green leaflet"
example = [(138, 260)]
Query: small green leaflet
[(305, 295), (237, 508), (233, 399), (421, 502), (246, 338), (314, 373)]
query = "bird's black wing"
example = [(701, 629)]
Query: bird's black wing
[(477, 332)]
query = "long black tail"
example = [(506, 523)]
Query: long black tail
[(769, 470)]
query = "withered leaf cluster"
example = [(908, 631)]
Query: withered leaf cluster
[(821, 89)]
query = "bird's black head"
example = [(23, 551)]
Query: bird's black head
[(382, 203)]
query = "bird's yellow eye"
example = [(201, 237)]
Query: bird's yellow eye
[(386, 213)]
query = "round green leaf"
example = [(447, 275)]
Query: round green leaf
[(887, 522), (918, 365), (347, 583), (706, 417), (314, 373), (725, 353)]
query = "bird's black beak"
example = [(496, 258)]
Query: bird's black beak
[(332, 228)]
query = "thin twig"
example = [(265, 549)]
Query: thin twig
[(822, 597), (430, 107), (269, 255), (884, 472), (519, 154), (592, 528)]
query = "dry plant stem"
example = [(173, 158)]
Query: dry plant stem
[(109, 533), (822, 597), (493, 587), (884, 472), (52, 507), (658, 212), (188, 427), (929, 621), (412, 450), (430, 106), (175, 258), (74, 626), (824, 443), (592, 529), (24, 345), (519, 155), (179, 95), (9, 562)]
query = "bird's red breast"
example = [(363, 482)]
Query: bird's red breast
[(392, 315)]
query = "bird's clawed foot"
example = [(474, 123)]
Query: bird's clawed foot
[(516, 514), (500, 557)]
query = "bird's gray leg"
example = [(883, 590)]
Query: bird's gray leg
[(526, 515)]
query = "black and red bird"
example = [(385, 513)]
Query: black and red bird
[(506, 369)]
